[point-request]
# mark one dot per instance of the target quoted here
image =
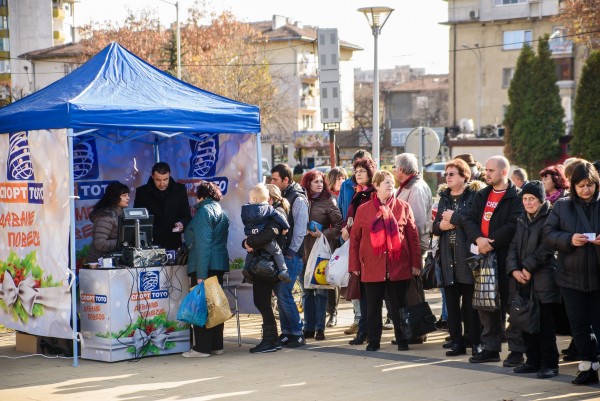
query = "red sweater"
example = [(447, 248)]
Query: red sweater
[(372, 268)]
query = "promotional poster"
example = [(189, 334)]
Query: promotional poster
[(34, 230)]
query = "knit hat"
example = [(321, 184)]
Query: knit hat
[(468, 158), (535, 188)]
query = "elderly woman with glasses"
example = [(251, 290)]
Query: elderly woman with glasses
[(455, 200)]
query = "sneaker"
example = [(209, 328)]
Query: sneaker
[(485, 356), (320, 335), (547, 373), (513, 360), (388, 325), (217, 352), (194, 354), (284, 339), (585, 377), (295, 341), (332, 322), (353, 329)]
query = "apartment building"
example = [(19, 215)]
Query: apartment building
[(25, 26), (486, 37), (292, 52)]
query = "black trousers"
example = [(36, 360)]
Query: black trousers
[(583, 310), (333, 298), (541, 347), (207, 340), (460, 308), (375, 292), (262, 292)]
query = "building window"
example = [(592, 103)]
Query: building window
[(508, 2), (507, 76), (4, 22), (4, 45), (4, 66), (422, 102), (565, 68), (3, 3), (514, 40), (307, 121)]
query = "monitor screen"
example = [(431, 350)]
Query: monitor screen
[(127, 232)]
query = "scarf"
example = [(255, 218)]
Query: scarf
[(405, 182), (553, 197), (384, 229)]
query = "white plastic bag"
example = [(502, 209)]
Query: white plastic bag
[(316, 265), (337, 271)]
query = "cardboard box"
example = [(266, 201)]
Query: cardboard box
[(28, 343)]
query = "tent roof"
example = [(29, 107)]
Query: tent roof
[(116, 90)]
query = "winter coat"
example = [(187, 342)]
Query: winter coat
[(578, 267), (324, 211), (527, 251), (206, 236), (502, 224), (168, 207), (418, 195), (104, 232), (454, 261), (373, 267), (345, 196), (297, 218), (256, 216), (271, 232)]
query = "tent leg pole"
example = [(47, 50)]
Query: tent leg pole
[(74, 287), (259, 157)]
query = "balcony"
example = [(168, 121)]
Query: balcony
[(58, 36), (462, 14), (308, 102), (58, 13)]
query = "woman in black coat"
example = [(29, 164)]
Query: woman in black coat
[(455, 202), (532, 263), (572, 229)]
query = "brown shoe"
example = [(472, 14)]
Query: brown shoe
[(353, 329)]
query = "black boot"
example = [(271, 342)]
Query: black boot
[(269, 342)]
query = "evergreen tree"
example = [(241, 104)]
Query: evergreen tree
[(538, 115), (517, 92), (586, 127)]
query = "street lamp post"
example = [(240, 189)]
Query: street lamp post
[(376, 17), (178, 37), (479, 99)]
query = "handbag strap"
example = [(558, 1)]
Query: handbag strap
[(531, 291)]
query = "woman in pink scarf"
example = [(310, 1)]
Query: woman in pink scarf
[(385, 252)]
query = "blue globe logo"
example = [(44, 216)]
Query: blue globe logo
[(19, 165)]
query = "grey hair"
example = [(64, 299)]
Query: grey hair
[(407, 163), (522, 174)]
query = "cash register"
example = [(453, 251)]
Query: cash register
[(135, 239)]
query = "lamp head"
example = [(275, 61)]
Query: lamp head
[(376, 16)]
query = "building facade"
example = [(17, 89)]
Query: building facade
[(486, 38), (25, 26)]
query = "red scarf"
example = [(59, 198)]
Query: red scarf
[(405, 182), (384, 229)]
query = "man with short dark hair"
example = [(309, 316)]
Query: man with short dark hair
[(491, 224), (289, 317), (167, 201)]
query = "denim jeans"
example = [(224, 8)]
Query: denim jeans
[(289, 317), (444, 315), (315, 307)]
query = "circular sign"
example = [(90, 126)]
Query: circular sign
[(429, 138)]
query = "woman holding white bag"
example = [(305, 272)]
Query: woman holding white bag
[(324, 219)]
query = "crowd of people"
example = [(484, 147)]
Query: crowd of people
[(544, 235)]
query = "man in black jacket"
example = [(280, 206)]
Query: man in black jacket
[(491, 224), (167, 201)]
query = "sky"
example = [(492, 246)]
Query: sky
[(412, 35)]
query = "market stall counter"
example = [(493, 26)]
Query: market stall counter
[(129, 313)]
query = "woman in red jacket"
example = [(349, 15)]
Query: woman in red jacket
[(385, 252)]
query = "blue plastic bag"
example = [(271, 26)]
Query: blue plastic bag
[(193, 308)]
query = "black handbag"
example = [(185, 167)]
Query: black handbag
[(432, 272), (418, 319), (262, 266), (525, 312), (181, 258)]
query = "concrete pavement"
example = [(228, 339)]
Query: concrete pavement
[(325, 370)]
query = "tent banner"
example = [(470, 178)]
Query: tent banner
[(228, 160), (34, 233)]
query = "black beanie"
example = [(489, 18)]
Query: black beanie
[(535, 188)]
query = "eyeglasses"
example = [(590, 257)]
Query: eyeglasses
[(360, 171), (451, 174)]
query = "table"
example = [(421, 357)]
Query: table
[(129, 313)]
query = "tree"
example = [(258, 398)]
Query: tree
[(536, 117), (517, 94), (586, 125), (582, 19)]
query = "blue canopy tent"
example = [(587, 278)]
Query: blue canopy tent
[(117, 91)]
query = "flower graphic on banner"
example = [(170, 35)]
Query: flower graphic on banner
[(24, 291), (19, 165), (205, 153)]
